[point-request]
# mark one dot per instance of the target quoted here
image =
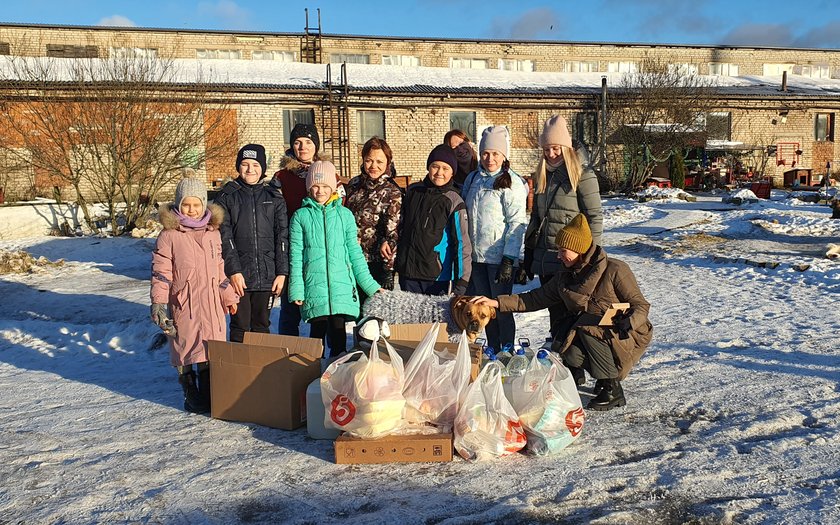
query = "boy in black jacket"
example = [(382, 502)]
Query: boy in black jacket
[(434, 254), (255, 239)]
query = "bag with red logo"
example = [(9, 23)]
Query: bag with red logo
[(364, 397), (548, 404), (435, 381), (486, 425)]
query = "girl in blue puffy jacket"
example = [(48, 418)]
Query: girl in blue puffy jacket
[(495, 198), (326, 262)]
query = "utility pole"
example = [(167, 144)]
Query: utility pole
[(603, 133)]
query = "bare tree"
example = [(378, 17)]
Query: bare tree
[(117, 130), (653, 113)]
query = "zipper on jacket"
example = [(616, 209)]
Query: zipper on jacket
[(256, 242), (327, 260)]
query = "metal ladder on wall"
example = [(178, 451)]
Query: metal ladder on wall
[(335, 122), (310, 42)]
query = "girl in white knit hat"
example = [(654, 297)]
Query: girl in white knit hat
[(190, 293)]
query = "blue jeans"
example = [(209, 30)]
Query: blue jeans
[(502, 329), (289, 315)]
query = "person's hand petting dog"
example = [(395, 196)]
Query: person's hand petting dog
[(485, 301)]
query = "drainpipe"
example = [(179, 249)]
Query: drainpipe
[(603, 163)]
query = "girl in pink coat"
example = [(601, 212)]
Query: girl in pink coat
[(190, 292)]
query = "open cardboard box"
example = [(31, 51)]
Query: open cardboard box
[(405, 338), (263, 380), (394, 449)]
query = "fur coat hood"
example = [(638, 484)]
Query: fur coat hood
[(170, 221), (291, 163)]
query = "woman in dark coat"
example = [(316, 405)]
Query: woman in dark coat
[(587, 286)]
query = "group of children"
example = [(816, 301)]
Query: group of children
[(235, 256)]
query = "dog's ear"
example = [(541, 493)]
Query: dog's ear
[(457, 307), (492, 312)]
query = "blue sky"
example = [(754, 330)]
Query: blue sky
[(803, 23)]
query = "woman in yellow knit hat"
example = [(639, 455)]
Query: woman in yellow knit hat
[(587, 286)]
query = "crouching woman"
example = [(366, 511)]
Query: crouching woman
[(587, 286)]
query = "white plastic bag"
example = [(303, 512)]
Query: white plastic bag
[(549, 407), (364, 398), (486, 425), (435, 381)]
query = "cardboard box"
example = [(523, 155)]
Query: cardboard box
[(263, 380), (394, 449), (405, 338)]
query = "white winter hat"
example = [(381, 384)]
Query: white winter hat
[(495, 138)]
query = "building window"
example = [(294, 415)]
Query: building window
[(62, 51), (773, 70), (824, 127), (4, 48), (134, 52), (465, 121), (278, 56), (400, 60), (723, 69), (813, 71), (291, 117), (467, 63), (580, 66), (230, 54), (371, 124), (585, 129), (512, 64), (340, 58), (683, 69), (719, 125), (622, 67)]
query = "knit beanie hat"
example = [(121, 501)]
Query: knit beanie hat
[(443, 153), (496, 138), (575, 236), (254, 152), (191, 187), (321, 172), (305, 130), (555, 131)]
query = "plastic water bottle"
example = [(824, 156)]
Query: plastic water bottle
[(487, 355), (525, 344), (505, 355), (492, 362), (518, 364), (542, 358)]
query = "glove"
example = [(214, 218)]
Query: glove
[(388, 280), (460, 287), (504, 274), (161, 318), (524, 273), (622, 325)]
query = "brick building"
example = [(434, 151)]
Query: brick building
[(413, 90)]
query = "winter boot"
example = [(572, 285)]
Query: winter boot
[(610, 396), (204, 386), (192, 402), (599, 385)]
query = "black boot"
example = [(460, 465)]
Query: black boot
[(611, 396), (599, 386), (204, 386), (192, 402)]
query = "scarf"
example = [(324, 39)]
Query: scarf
[(189, 222)]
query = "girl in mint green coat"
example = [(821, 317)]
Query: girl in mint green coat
[(326, 262)]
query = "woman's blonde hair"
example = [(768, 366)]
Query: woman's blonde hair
[(573, 167)]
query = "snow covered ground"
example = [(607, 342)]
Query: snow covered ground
[(732, 414)]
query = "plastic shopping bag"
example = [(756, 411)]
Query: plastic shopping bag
[(548, 405), (486, 425), (364, 397), (435, 381)]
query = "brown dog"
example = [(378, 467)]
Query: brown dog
[(470, 316)]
